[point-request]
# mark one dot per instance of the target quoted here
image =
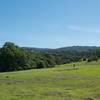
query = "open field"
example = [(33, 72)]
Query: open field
[(60, 83)]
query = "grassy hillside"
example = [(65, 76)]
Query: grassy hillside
[(60, 83)]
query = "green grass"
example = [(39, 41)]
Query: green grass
[(59, 83)]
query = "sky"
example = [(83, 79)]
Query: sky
[(50, 23)]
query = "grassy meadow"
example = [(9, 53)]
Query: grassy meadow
[(60, 83)]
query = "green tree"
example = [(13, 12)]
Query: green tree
[(12, 58)]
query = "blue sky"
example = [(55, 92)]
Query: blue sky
[(50, 23)]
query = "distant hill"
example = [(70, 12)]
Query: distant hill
[(71, 48), (78, 48)]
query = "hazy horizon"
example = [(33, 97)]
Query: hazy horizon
[(51, 47)]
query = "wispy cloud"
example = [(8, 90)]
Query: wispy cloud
[(84, 29)]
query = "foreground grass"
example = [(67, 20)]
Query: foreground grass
[(59, 83)]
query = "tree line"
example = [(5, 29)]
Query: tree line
[(14, 58)]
